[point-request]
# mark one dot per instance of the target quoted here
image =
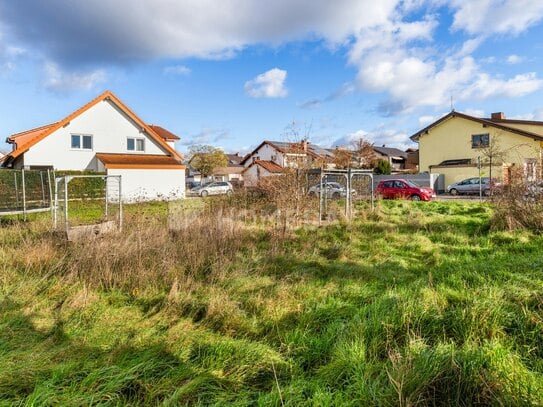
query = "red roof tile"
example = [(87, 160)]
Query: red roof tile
[(165, 134), (139, 161)]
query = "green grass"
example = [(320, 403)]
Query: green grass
[(416, 304)]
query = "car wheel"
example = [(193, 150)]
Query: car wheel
[(453, 192), (312, 194), (204, 193), (335, 195), (486, 192), (229, 192), (415, 198)]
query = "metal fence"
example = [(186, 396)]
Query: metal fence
[(23, 191), (87, 200)]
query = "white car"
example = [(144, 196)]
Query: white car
[(214, 188), (333, 190)]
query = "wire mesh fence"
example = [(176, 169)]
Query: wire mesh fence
[(83, 200), (25, 190)]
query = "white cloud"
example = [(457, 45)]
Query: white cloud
[(486, 86), (379, 137), (180, 70), (537, 114), (475, 112), (485, 17), (426, 120), (389, 42), (514, 59), (57, 80), (270, 84)]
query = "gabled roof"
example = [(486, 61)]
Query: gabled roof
[(234, 159), (498, 124), (139, 161), (269, 166), (390, 151), (165, 134), (29, 138), (294, 148)]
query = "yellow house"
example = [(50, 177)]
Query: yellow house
[(457, 142)]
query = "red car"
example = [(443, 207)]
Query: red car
[(402, 188)]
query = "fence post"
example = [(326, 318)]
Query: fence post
[(66, 224), (120, 204), (16, 190), (24, 194), (51, 195)]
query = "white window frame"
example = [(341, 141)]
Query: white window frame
[(81, 136), (136, 139)]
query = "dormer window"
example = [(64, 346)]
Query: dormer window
[(81, 142), (135, 144)]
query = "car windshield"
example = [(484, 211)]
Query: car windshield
[(411, 183)]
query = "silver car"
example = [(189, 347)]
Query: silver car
[(214, 188), (333, 190), (471, 186)]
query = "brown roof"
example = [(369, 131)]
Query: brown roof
[(485, 122), (269, 166), (286, 147), (28, 138), (139, 161), (165, 134)]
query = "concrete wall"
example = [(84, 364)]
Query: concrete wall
[(151, 184), (109, 128)]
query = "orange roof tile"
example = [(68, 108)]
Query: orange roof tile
[(269, 166), (165, 134), (31, 137), (139, 161)]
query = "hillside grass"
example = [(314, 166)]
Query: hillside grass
[(415, 304)]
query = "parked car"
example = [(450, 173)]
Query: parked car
[(534, 190), (406, 189), (333, 190), (471, 186), (214, 188), (192, 184)]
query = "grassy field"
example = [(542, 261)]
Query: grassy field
[(415, 304)]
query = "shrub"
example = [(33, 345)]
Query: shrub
[(382, 167)]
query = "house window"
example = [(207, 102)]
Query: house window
[(135, 144), (81, 142), (480, 140)]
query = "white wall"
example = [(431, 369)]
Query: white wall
[(110, 128), (151, 184), (265, 153)]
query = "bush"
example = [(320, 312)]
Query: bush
[(382, 167)]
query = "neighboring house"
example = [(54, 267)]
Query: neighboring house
[(233, 172), (271, 157), (412, 161), (105, 136), (453, 145), (259, 169), (394, 156)]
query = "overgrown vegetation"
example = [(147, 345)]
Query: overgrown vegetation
[(414, 304)]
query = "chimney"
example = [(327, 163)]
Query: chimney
[(304, 145), (497, 116)]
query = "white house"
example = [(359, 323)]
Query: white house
[(105, 136), (271, 157)]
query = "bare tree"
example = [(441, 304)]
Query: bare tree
[(364, 154)]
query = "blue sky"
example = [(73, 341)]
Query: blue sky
[(235, 72)]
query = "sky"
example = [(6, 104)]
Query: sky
[(232, 73)]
